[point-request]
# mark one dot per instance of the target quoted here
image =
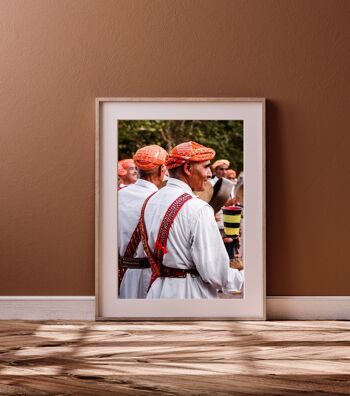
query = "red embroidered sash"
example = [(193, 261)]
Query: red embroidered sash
[(156, 258), (131, 248)]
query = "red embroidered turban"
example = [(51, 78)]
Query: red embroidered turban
[(188, 152), (149, 157), (220, 163)]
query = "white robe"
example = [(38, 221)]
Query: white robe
[(213, 180), (130, 200), (194, 242)]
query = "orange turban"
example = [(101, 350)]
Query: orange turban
[(188, 152), (149, 157), (220, 163), (126, 163), (121, 169), (230, 173)]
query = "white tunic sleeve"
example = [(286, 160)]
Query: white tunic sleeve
[(209, 253)]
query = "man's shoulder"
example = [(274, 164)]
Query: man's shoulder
[(194, 209), (133, 190), (196, 204), (129, 189), (170, 195)]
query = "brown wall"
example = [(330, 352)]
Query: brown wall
[(57, 56)]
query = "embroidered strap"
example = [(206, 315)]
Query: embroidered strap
[(156, 258), (144, 239), (130, 251), (131, 248), (164, 229)]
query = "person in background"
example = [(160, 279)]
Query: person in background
[(239, 201), (237, 261), (182, 241), (231, 175), (239, 190), (131, 172), (220, 168), (150, 162), (121, 174)]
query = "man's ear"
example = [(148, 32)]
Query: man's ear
[(187, 169)]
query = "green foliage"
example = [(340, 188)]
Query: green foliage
[(225, 137)]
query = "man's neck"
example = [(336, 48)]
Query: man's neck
[(183, 179), (151, 179)]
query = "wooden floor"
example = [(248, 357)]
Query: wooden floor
[(177, 358)]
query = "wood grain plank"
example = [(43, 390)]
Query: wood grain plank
[(174, 358)]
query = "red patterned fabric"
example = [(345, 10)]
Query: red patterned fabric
[(188, 152), (156, 258)]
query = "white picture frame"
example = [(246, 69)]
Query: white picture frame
[(108, 112)]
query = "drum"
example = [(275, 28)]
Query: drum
[(221, 193), (232, 221)]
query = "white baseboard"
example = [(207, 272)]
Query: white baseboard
[(308, 307), (83, 307), (47, 307)]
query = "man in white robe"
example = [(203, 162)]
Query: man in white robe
[(194, 241), (150, 162)]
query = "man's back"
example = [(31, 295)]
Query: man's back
[(130, 200), (194, 242)]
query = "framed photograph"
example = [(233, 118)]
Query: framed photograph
[(211, 260)]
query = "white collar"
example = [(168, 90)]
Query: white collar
[(172, 182), (146, 184)]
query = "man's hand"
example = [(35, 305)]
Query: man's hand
[(237, 263), (231, 202), (218, 217), (227, 239)]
